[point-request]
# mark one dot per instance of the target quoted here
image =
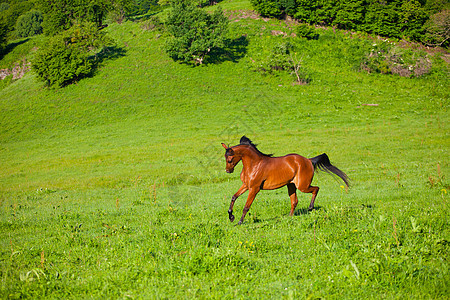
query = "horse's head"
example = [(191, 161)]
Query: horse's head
[(231, 159)]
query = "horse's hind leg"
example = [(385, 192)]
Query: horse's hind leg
[(292, 189), (306, 187), (314, 190)]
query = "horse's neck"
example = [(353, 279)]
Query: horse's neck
[(250, 156)]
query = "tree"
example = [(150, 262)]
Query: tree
[(267, 8), (194, 32), (69, 56), (60, 15), (438, 29), (350, 14), (412, 18), (11, 11), (3, 35), (29, 24), (121, 8)]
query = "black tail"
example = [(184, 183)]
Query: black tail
[(323, 163)]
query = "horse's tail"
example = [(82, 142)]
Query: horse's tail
[(323, 163)]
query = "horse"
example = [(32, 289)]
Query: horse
[(265, 172)]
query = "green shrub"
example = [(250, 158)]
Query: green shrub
[(399, 19), (62, 14), (306, 31), (142, 7), (69, 56), (350, 14), (278, 59), (283, 58), (29, 24), (194, 32), (11, 12), (316, 11), (412, 17), (438, 29), (266, 8), (274, 8), (152, 23), (4, 6), (3, 35)]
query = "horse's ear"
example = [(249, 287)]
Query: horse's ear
[(225, 146)]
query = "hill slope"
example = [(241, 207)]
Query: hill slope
[(115, 186)]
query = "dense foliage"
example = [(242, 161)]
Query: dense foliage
[(68, 56), (10, 12), (3, 34), (62, 14), (29, 24), (411, 19), (141, 7), (438, 29), (194, 32)]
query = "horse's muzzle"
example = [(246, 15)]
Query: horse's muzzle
[(230, 171)]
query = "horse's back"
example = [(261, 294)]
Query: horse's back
[(297, 159), (282, 170)]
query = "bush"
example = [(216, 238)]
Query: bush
[(350, 14), (267, 8), (438, 29), (29, 24), (10, 13), (274, 8), (194, 32), (316, 11), (3, 35), (62, 14), (306, 31), (282, 58), (399, 19), (69, 56), (153, 23), (412, 17)]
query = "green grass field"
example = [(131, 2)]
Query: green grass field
[(115, 187)]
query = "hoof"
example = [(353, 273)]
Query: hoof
[(310, 208), (231, 218)]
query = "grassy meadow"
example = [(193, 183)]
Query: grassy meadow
[(115, 187)]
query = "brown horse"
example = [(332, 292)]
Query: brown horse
[(264, 172)]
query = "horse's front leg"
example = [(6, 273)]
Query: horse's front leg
[(241, 190), (251, 196)]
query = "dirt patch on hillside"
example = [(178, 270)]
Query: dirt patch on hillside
[(18, 71)]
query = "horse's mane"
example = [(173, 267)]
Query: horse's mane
[(246, 141)]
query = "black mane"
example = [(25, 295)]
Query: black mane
[(246, 141)]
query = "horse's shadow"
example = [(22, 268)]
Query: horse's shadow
[(298, 212), (305, 211)]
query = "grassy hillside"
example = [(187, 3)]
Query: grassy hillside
[(115, 186)]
